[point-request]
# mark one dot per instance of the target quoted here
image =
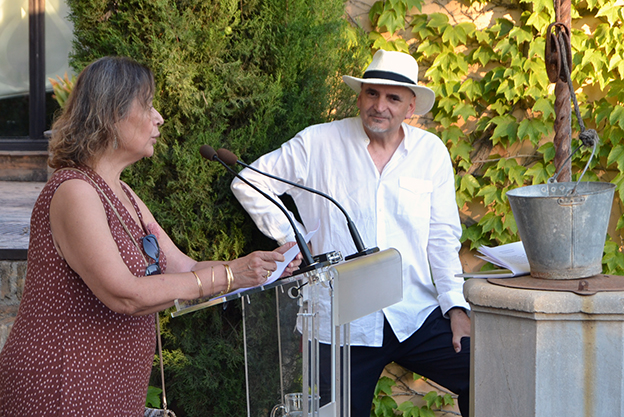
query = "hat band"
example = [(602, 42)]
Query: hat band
[(386, 75)]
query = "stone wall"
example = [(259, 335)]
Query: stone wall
[(12, 276), (24, 166)]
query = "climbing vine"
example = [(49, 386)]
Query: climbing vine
[(495, 108), (495, 104)]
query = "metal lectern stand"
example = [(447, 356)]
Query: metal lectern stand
[(357, 288)]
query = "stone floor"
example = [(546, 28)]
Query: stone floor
[(16, 203)]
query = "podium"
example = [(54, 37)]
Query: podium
[(357, 287)]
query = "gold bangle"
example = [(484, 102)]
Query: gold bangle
[(230, 277), (212, 282), (199, 284)]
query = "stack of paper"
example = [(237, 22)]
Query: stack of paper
[(511, 257)]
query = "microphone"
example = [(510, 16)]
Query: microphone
[(308, 262), (229, 158)]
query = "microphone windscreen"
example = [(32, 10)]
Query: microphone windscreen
[(207, 152), (227, 156)]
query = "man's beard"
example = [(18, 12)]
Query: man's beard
[(373, 128)]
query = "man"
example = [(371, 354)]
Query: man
[(397, 183)]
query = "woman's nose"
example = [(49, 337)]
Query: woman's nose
[(159, 119)]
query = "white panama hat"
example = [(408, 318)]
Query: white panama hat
[(395, 68)]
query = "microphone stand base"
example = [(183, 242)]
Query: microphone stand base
[(313, 266), (362, 253)]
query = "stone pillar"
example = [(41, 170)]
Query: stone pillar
[(545, 353)]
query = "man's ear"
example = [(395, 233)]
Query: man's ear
[(411, 107)]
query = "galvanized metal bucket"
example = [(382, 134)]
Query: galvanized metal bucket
[(563, 227)]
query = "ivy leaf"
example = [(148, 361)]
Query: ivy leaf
[(428, 48), (468, 28), (464, 110), (384, 385), (414, 3), (521, 34), (471, 88), (409, 409), (384, 406), (619, 186), (448, 103), (469, 183), (420, 27), (540, 20), (448, 399), (616, 89), (594, 57), (452, 135), (537, 49), (509, 223), (506, 47), (516, 174), (424, 412), (506, 126), (539, 173), (376, 9), (453, 36), (617, 62), (473, 233), (489, 194), (617, 155), (438, 20), (617, 116), (502, 27), (492, 222), (483, 36), (548, 150), (153, 397), (611, 12), (540, 5), (546, 107), (462, 150), (392, 18), (379, 42), (432, 398), (484, 54), (534, 129)]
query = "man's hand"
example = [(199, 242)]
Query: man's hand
[(460, 326)]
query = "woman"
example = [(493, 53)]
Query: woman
[(84, 338)]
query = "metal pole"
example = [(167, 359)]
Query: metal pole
[(563, 106), (36, 63)]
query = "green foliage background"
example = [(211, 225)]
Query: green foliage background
[(242, 75), (248, 75), (493, 95)]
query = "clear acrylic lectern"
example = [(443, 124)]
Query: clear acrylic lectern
[(357, 287)]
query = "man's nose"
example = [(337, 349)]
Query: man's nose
[(380, 104)]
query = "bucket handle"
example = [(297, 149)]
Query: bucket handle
[(553, 179)]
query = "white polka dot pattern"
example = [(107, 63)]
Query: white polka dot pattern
[(68, 354)]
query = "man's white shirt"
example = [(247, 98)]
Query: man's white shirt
[(409, 206)]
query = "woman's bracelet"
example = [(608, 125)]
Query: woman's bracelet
[(212, 281), (199, 285), (230, 278)]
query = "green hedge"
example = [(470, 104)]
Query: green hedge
[(242, 75)]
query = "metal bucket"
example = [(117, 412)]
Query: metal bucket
[(563, 230)]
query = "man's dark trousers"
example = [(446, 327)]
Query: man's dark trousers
[(428, 352)]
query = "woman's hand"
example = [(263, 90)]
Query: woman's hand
[(294, 264), (254, 269)]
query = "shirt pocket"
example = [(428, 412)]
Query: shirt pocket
[(415, 197)]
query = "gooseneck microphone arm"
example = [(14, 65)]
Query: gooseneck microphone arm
[(229, 158), (209, 153)]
